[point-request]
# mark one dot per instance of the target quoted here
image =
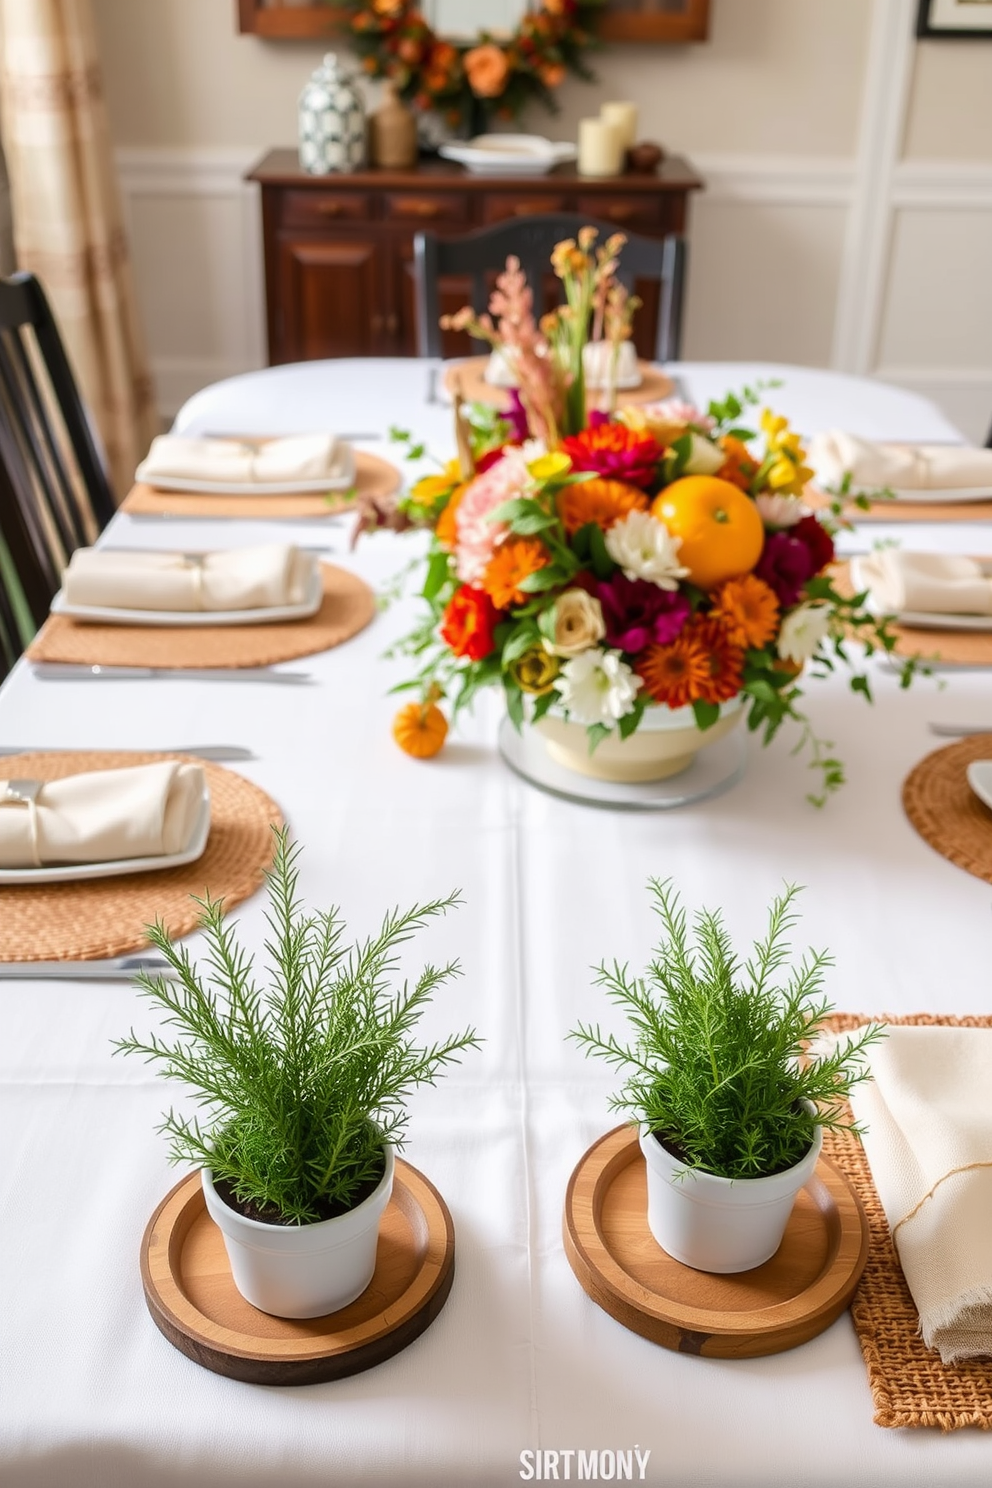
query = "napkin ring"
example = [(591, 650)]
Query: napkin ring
[(25, 793)]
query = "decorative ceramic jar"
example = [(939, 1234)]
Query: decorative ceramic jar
[(665, 742), (718, 1224), (332, 122), (302, 1271)]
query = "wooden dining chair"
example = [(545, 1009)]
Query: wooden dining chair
[(54, 471), (477, 255)]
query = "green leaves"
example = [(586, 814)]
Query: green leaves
[(303, 1081), (718, 1064)]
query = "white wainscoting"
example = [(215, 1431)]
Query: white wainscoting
[(773, 272)]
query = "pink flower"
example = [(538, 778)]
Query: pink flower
[(636, 612), (477, 536)]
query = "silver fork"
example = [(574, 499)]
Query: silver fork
[(199, 751)]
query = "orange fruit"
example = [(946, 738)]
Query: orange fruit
[(721, 531)]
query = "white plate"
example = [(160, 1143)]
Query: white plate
[(924, 620), (949, 494), (200, 487), (97, 614), (980, 780), (509, 154), (77, 872)]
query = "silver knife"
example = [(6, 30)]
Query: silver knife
[(201, 751), (61, 671), (116, 969)]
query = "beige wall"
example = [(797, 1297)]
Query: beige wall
[(847, 221)]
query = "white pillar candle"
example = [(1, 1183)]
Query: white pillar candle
[(600, 148), (623, 117)]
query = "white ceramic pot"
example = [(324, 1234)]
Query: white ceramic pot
[(665, 742), (302, 1271), (331, 122), (719, 1224)]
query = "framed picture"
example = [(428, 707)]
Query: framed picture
[(621, 20), (955, 18)]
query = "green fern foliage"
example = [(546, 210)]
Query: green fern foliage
[(718, 1067), (303, 1079)]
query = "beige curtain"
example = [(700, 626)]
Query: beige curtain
[(68, 227)]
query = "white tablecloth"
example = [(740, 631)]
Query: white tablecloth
[(91, 1394)]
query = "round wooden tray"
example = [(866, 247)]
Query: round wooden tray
[(470, 376), (799, 1292), (194, 1302)]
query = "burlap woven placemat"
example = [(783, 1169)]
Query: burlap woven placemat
[(348, 606), (944, 809), (107, 916), (374, 477), (907, 511), (909, 1384), (470, 374)]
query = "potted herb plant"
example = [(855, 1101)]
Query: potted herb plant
[(730, 1102), (304, 1080)]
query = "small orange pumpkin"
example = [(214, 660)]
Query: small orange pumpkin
[(420, 729)]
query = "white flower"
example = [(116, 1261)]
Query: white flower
[(705, 458), (802, 631), (778, 511), (597, 687), (645, 549)]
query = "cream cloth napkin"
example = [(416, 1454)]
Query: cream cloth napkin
[(298, 457), (100, 815), (928, 1114), (238, 579), (938, 582), (901, 467)]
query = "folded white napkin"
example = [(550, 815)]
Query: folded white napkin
[(943, 583), (233, 461), (237, 579), (96, 817), (928, 1114), (596, 364), (900, 467)]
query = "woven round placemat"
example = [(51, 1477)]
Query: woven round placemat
[(348, 606), (909, 1385), (475, 389), (944, 809), (107, 916), (374, 477), (972, 648)]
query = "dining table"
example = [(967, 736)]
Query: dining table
[(520, 1360)]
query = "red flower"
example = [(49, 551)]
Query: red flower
[(817, 539), (469, 623), (616, 453)]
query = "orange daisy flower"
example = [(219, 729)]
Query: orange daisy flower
[(677, 673), (601, 501), (445, 530), (749, 609), (740, 466), (724, 660), (509, 565)]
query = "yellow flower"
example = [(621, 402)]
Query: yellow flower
[(535, 671), (787, 473), (430, 487), (547, 467)]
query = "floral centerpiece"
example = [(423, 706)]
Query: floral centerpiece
[(600, 564), (493, 78)]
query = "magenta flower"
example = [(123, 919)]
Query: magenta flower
[(516, 417), (637, 613), (785, 564)]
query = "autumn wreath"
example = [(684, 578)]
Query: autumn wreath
[(472, 85)]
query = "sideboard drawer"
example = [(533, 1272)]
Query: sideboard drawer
[(425, 207), (500, 206), (633, 212), (315, 208)]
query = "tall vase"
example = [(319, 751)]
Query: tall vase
[(332, 122)]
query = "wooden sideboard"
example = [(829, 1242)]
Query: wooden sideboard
[(339, 249)]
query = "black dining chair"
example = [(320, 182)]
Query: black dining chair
[(479, 254), (54, 471)]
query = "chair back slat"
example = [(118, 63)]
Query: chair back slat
[(50, 455), (532, 239)]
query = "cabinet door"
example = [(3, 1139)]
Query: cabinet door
[(330, 298)]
